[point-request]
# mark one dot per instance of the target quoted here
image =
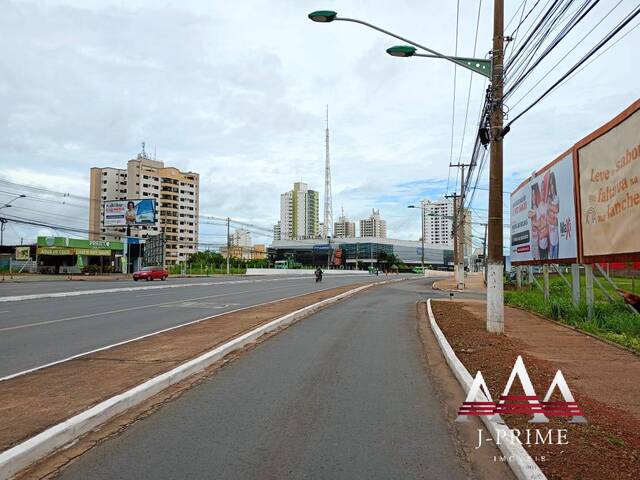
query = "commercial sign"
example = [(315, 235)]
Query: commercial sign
[(55, 251), (79, 243), (543, 215), (608, 166), (129, 212), (22, 253)]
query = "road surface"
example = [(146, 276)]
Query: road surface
[(37, 332), (341, 394)]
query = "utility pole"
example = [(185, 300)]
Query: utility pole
[(484, 253), (454, 232), (2, 223), (228, 244), (460, 226), (495, 287), (422, 238)]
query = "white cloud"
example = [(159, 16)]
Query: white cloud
[(237, 93)]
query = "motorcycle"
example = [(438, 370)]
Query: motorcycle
[(318, 277)]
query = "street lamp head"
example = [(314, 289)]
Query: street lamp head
[(411, 206), (22, 195), (401, 51), (323, 16)]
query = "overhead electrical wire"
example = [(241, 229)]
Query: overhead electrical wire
[(513, 105), (633, 14)]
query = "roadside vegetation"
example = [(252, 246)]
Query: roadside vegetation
[(611, 320)]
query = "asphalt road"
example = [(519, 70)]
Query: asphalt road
[(37, 332), (342, 394)]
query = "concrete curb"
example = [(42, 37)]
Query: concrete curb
[(520, 461), (30, 451)]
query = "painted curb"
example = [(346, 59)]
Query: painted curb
[(522, 464), (35, 448)]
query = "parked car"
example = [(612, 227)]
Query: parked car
[(151, 273)]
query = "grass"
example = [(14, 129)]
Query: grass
[(611, 320), (202, 270)]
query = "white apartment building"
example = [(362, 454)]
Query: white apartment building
[(344, 228), (240, 237), (374, 226), (177, 199), (277, 231), (299, 213), (438, 223)]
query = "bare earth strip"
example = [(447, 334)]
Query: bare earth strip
[(34, 402), (604, 380)]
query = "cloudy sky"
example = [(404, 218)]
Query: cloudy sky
[(237, 90)]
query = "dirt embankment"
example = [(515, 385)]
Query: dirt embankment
[(603, 379)]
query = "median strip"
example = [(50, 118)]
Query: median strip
[(49, 408)]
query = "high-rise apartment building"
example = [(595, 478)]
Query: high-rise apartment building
[(240, 237), (344, 228), (438, 223), (277, 235), (177, 199), (374, 226), (299, 212)]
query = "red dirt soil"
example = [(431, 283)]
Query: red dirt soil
[(603, 379)]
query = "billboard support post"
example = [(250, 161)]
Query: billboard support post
[(588, 275), (518, 278), (556, 267), (575, 283), (545, 277)]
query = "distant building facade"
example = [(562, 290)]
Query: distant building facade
[(277, 235), (177, 196), (438, 223), (241, 237), (344, 227), (374, 226), (299, 213)]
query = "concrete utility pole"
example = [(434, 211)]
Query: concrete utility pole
[(484, 253), (454, 232), (495, 287), (460, 225), (2, 222), (228, 245)]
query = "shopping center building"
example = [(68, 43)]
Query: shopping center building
[(347, 252)]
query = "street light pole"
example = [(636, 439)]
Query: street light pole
[(424, 272), (228, 244), (495, 287)]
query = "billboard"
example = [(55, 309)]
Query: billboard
[(608, 169), (543, 215), (118, 213)]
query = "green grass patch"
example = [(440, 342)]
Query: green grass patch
[(612, 321)]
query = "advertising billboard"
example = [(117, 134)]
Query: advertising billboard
[(543, 215), (119, 213), (608, 167)]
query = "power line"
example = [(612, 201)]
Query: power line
[(588, 55), (453, 105), (566, 54), (471, 75)]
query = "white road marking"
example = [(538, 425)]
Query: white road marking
[(106, 347), (5, 311), (37, 296), (128, 309)]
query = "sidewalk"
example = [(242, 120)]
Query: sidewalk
[(604, 379), (473, 282)]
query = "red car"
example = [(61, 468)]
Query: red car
[(150, 273)]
